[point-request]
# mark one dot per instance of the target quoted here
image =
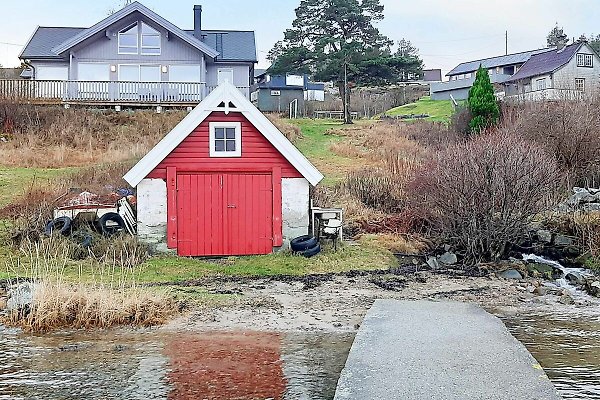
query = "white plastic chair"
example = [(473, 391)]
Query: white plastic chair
[(331, 230)]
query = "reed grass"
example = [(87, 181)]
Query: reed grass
[(105, 294)]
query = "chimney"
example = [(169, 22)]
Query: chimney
[(198, 22)]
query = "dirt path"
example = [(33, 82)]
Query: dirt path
[(338, 302)]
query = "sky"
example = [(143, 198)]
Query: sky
[(447, 32)]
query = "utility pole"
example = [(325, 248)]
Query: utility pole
[(346, 113), (506, 42)]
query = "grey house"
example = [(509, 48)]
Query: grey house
[(569, 72), (285, 93), (462, 77), (133, 57)]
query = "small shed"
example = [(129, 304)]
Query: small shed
[(225, 181)]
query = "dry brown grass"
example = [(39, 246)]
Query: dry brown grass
[(398, 243), (112, 298), (52, 137), (292, 132)]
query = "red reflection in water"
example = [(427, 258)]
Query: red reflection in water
[(215, 366)]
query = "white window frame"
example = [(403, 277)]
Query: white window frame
[(582, 80), (225, 70), (585, 60), (540, 84), (139, 69), (137, 39), (238, 139), (142, 35), (275, 92)]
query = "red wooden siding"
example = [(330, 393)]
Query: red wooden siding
[(258, 154), (224, 214)]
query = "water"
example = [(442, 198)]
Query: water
[(151, 365), (567, 346)]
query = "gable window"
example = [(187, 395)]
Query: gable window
[(540, 84), (150, 41), (585, 60), (225, 139), (580, 84), (128, 40)]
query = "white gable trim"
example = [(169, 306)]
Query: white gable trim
[(107, 22), (225, 93)]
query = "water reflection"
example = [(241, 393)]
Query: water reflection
[(567, 346), (151, 365)]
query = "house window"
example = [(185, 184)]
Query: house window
[(585, 60), (580, 84), (540, 84), (185, 73), (139, 73), (150, 41), (225, 139), (128, 40)]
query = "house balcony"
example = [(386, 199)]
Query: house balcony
[(114, 93)]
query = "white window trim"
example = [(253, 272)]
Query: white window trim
[(585, 60), (142, 47), (238, 139), (139, 68), (540, 84), (583, 86), (137, 36)]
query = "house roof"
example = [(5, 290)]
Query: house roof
[(545, 63), (493, 62), (234, 101), (223, 45)]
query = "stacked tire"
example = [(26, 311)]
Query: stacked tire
[(306, 245)]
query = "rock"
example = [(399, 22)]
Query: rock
[(591, 207), (566, 298), (575, 278), (510, 274), (541, 269), (20, 296), (433, 263), (581, 196), (544, 236), (562, 240), (448, 258), (540, 291), (593, 288)]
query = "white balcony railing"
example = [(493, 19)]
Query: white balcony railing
[(106, 92)]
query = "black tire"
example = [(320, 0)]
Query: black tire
[(111, 224), (61, 224), (303, 243), (84, 239), (313, 251)]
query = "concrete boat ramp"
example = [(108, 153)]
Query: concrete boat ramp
[(421, 350)]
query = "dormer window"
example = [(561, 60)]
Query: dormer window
[(128, 40), (139, 39), (150, 41)]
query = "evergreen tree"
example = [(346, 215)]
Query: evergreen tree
[(556, 37), (482, 102), (337, 41)]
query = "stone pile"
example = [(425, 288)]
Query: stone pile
[(583, 199)]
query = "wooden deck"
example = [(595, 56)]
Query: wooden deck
[(106, 94)]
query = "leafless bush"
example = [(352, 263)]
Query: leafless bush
[(480, 195), (375, 189), (569, 130)]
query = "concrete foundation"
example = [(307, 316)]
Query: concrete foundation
[(152, 213), (296, 194)]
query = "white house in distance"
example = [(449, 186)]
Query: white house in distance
[(567, 72)]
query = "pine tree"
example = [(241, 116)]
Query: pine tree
[(556, 37), (482, 102)]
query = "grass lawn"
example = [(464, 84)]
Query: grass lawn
[(318, 137), (172, 269), (438, 110), (14, 181)]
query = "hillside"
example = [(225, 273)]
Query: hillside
[(438, 110)]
